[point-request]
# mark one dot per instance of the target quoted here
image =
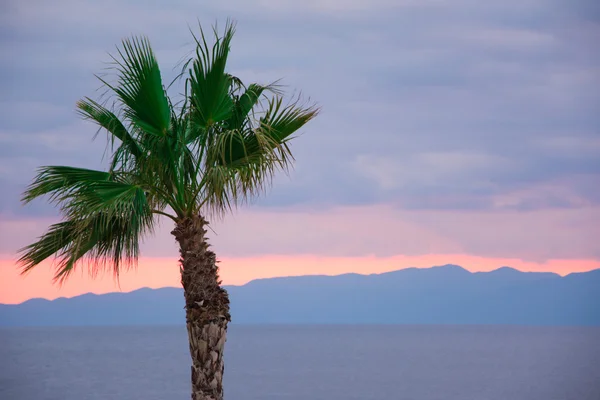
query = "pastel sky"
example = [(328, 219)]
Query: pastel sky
[(457, 131)]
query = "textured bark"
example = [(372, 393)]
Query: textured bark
[(207, 308)]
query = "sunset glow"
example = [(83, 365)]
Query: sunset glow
[(461, 139), (161, 272)]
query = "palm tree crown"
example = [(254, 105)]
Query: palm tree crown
[(217, 147)]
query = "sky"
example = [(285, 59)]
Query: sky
[(451, 131)]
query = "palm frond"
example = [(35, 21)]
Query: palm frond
[(102, 239), (140, 89), (109, 197), (280, 122), (60, 181), (59, 236), (245, 104), (274, 131), (209, 84), (92, 110), (240, 164)]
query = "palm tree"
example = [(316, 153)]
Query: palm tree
[(196, 159)]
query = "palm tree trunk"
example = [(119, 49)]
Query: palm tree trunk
[(207, 308)]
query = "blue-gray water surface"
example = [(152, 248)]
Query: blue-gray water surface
[(307, 362)]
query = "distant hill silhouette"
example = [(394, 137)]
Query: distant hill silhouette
[(440, 295)]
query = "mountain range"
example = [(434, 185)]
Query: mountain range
[(446, 294)]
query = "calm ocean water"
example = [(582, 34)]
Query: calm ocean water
[(307, 362)]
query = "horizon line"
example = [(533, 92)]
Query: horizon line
[(311, 275)]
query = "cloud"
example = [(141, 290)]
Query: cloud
[(426, 104), (531, 234)]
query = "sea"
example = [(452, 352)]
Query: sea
[(306, 362)]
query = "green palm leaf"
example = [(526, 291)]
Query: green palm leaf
[(140, 88), (274, 130), (91, 110), (245, 104), (105, 223), (209, 84), (59, 182), (58, 237)]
